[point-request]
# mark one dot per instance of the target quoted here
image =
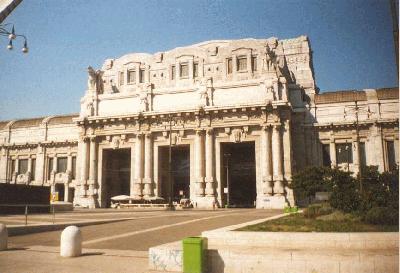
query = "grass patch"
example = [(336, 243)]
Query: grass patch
[(334, 222)]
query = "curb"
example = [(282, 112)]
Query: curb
[(22, 230)]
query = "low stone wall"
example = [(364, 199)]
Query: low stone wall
[(233, 251)]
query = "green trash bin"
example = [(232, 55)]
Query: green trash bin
[(194, 254)]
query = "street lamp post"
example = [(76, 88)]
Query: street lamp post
[(171, 187), (227, 156), (357, 109), (11, 35)]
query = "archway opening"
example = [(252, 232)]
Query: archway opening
[(116, 174), (239, 174), (180, 172)]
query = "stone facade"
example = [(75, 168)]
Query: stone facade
[(202, 97)]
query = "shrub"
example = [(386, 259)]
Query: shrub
[(315, 210), (344, 195), (382, 216), (309, 181), (312, 211)]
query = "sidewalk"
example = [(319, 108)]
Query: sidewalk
[(40, 259)]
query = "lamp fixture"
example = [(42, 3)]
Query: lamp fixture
[(11, 35)]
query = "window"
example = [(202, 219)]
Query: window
[(363, 158), (326, 155), (33, 168), (172, 72), (195, 70), (242, 64), (131, 76), (12, 166), (141, 75), (49, 168), (344, 153), (229, 64), (73, 167), (121, 78), (391, 156), (22, 166), (254, 63), (184, 71), (62, 164)]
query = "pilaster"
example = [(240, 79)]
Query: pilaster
[(277, 159), (210, 187), (148, 165), (199, 158)]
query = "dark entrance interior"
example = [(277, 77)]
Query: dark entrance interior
[(60, 189), (180, 172), (239, 173), (116, 174)]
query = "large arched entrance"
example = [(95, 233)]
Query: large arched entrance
[(239, 174)]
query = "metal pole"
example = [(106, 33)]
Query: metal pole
[(54, 214), (227, 179), (347, 155), (170, 164), (26, 215), (358, 147)]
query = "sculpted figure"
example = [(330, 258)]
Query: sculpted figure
[(95, 81), (143, 101)]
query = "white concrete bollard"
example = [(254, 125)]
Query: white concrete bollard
[(71, 242), (3, 237)]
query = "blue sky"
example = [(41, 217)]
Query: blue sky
[(351, 40)]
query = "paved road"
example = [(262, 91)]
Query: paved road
[(147, 229)]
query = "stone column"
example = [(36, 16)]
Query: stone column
[(40, 159), (287, 159), (83, 166), (356, 159), (332, 152), (191, 64), (377, 143), (266, 160), (287, 151), (234, 66), (210, 163), (133, 174), (199, 163), (69, 171), (148, 165), (29, 168), (92, 165), (138, 191), (3, 165), (277, 159)]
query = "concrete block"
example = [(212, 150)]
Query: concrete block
[(3, 237), (71, 242)]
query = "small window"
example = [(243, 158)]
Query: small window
[(173, 72), (184, 71), (344, 153), (62, 164), (242, 64), (141, 75), (391, 156), (195, 70), (33, 168), (121, 78), (254, 63), (326, 155), (229, 64), (131, 76), (12, 166), (23, 166), (50, 168), (363, 158), (73, 167)]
